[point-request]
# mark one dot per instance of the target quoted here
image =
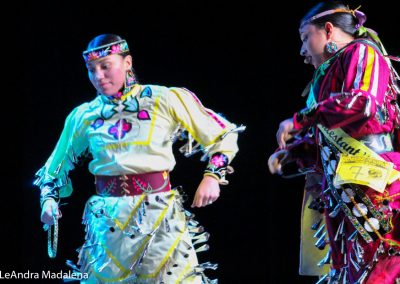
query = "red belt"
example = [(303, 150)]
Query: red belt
[(134, 184)]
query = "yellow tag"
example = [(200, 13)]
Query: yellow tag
[(363, 170), (395, 175)]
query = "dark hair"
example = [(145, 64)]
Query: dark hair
[(345, 21), (104, 39)]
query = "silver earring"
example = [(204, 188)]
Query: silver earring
[(331, 47)]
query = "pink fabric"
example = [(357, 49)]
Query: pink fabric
[(351, 93), (385, 271), (393, 188), (359, 77)]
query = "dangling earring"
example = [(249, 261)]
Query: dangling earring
[(130, 80), (331, 47)]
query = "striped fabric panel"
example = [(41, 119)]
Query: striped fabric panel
[(360, 61), (376, 72), (368, 72), (209, 112), (368, 76)]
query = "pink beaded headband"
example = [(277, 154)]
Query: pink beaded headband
[(117, 47)]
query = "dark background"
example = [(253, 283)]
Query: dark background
[(240, 59)]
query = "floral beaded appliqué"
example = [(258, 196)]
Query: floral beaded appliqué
[(217, 165), (105, 50), (120, 128)]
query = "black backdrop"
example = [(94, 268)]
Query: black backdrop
[(240, 59)]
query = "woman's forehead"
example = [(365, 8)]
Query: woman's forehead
[(305, 28), (108, 58)]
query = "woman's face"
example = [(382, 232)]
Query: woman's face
[(313, 48), (107, 74)]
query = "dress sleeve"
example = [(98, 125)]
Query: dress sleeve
[(71, 144), (362, 79), (206, 127)]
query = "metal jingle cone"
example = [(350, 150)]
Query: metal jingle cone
[(315, 226), (319, 232), (321, 242)]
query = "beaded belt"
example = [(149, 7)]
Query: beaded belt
[(379, 143), (132, 184)]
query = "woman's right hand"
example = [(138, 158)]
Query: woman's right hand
[(277, 160), (50, 209), (285, 132)]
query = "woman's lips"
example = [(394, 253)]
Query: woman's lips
[(103, 85)]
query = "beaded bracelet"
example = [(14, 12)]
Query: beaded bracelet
[(217, 166), (49, 191)]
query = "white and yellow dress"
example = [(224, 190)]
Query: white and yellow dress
[(147, 238)]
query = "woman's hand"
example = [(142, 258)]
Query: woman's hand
[(277, 160), (50, 209), (207, 192), (285, 132)]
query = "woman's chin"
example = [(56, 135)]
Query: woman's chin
[(107, 92)]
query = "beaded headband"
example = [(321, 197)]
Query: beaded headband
[(116, 47), (360, 16)]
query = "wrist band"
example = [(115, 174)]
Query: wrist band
[(49, 192), (217, 166)]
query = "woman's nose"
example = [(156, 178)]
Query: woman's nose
[(303, 51), (99, 75)]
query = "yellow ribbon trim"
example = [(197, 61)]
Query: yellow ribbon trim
[(117, 145), (183, 273), (368, 69), (170, 251), (125, 271), (135, 89), (123, 276), (134, 210), (156, 224)]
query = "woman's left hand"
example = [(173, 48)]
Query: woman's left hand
[(207, 192)]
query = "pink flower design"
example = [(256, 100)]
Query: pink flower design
[(143, 115), (115, 49), (218, 161), (120, 128), (93, 55)]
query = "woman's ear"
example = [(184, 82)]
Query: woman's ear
[(328, 29), (128, 62)]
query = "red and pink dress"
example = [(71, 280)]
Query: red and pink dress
[(354, 90)]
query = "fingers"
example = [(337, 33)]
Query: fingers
[(202, 201), (284, 132), (284, 157), (272, 163), (280, 138), (49, 210), (47, 218), (275, 167), (283, 135), (276, 161)]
